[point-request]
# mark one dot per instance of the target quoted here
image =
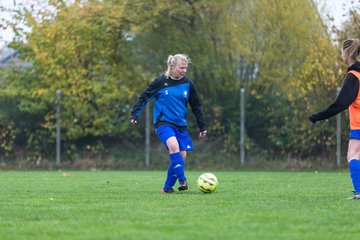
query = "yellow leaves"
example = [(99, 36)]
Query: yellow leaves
[(41, 92), (7, 139)]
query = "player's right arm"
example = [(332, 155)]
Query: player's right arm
[(145, 97), (346, 97)]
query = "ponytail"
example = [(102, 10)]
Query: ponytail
[(351, 50), (169, 60)]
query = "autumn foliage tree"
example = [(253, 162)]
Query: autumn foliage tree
[(102, 54), (81, 51)]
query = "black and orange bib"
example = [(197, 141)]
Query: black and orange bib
[(354, 108)]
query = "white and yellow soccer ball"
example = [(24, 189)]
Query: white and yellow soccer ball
[(207, 182)]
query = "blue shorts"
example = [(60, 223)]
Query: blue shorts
[(354, 134), (166, 131)]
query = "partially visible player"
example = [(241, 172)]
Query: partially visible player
[(349, 98), (172, 92)]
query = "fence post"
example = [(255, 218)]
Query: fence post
[(58, 131), (338, 135), (242, 126), (147, 135)]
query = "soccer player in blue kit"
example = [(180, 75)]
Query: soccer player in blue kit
[(172, 92)]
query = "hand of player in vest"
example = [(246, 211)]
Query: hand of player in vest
[(202, 134)]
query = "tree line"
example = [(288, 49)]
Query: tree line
[(102, 54)]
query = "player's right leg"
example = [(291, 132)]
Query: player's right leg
[(177, 161), (165, 133), (353, 157)]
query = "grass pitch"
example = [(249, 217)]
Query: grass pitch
[(129, 205)]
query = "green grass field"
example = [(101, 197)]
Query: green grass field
[(129, 205)]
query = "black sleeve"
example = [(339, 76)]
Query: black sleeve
[(145, 97), (196, 108), (346, 97)]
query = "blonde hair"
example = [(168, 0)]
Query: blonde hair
[(174, 60), (351, 50)]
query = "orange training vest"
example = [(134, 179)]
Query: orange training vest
[(354, 108)]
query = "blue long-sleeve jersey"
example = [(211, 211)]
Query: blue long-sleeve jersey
[(170, 106)]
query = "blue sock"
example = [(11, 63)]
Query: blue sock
[(170, 178), (354, 167), (177, 163)]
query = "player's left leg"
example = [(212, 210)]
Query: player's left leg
[(183, 183), (185, 144)]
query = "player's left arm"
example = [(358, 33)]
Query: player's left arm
[(195, 104)]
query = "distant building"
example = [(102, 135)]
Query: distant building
[(9, 57)]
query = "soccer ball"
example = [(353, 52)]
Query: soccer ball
[(207, 182)]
